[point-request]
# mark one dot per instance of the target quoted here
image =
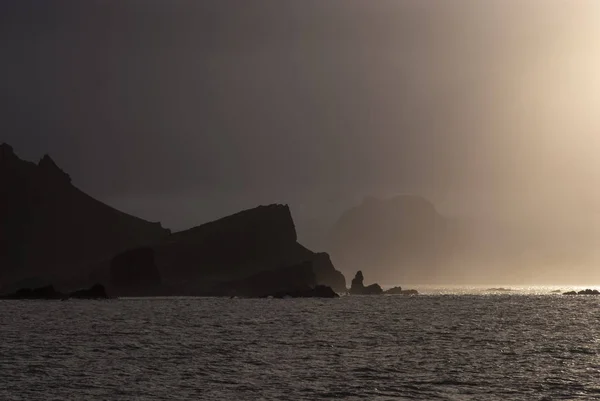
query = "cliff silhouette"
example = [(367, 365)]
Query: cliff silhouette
[(53, 233), (231, 254), (49, 228)]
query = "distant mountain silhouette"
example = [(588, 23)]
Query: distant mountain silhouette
[(403, 237), (49, 228), (232, 252)]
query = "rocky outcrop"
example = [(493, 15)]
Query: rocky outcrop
[(47, 292), (326, 273), (50, 293), (583, 292), (358, 287), (29, 282), (400, 291), (49, 228), (394, 290), (97, 291), (357, 282)]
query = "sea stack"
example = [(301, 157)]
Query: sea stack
[(358, 287)]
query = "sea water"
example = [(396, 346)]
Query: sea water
[(448, 345)]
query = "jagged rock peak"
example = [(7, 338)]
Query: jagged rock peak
[(5, 147), (358, 280), (48, 166), (6, 151)]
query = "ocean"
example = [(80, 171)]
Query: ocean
[(445, 345)]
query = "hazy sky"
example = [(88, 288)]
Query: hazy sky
[(181, 111)]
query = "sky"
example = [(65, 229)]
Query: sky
[(183, 111)]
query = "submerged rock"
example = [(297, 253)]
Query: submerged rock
[(358, 288)]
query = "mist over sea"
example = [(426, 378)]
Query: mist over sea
[(448, 345)]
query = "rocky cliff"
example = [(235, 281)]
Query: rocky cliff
[(267, 282), (238, 247), (51, 232), (134, 272), (50, 228)]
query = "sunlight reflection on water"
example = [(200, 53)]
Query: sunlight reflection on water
[(493, 289)]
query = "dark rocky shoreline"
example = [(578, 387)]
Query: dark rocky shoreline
[(61, 239), (583, 292), (50, 293)]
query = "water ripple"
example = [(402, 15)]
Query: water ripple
[(445, 347)]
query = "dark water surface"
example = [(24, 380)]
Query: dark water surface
[(450, 347)]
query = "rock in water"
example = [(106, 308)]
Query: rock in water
[(97, 291), (373, 289), (583, 292), (47, 292), (358, 288), (357, 282), (400, 291)]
